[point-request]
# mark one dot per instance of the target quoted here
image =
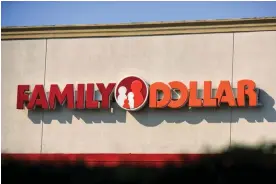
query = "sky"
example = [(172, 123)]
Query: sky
[(33, 13)]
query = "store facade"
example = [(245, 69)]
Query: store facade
[(84, 68)]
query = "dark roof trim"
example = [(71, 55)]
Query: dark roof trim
[(140, 29)]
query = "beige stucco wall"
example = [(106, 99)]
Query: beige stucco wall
[(199, 57)]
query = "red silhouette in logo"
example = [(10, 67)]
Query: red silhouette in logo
[(126, 105), (136, 87)]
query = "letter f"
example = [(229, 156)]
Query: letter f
[(22, 96)]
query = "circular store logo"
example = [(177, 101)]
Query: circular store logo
[(131, 93)]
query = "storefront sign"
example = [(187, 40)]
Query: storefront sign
[(133, 93)]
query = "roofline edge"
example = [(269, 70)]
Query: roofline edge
[(139, 29)]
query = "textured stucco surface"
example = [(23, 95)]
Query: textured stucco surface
[(255, 58), (199, 57), (23, 62)]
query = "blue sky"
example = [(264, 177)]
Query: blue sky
[(53, 13)]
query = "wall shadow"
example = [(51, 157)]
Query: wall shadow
[(257, 115), (88, 116), (36, 116), (154, 117)]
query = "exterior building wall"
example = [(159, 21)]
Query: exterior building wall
[(22, 63), (255, 58), (199, 57)]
